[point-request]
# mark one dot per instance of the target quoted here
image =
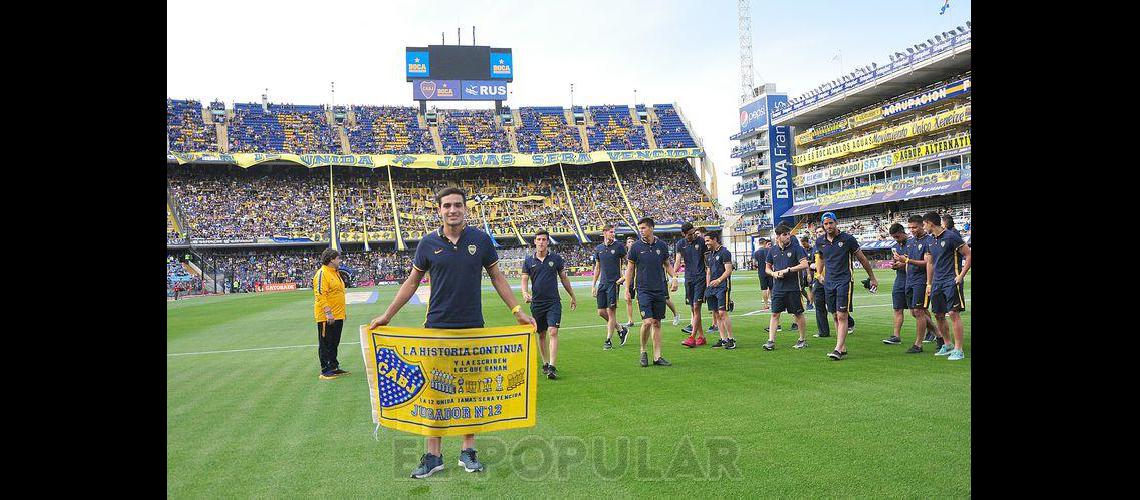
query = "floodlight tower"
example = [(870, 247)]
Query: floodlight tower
[(744, 29)]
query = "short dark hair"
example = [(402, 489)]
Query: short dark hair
[(648, 221), (949, 220), (917, 219), (805, 239), (933, 218), (447, 191), (328, 255), (703, 229), (783, 229), (607, 227), (542, 232), (715, 235), (896, 228), (686, 227)]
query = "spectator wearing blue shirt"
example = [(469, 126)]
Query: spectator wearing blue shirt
[(543, 270), (944, 276), (455, 255), (649, 258)]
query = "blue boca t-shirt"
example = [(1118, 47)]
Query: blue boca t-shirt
[(544, 277), (838, 256), (915, 248), (649, 259), (717, 261), (944, 251), (900, 274), (783, 258), (609, 258), (456, 270), (693, 252)]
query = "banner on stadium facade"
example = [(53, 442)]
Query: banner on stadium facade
[(929, 124), (821, 204), (923, 99), (442, 382), (779, 139), (918, 152), (829, 129), (442, 162)]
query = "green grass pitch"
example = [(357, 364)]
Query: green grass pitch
[(247, 416)]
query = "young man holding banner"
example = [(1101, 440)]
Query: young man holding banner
[(455, 255)]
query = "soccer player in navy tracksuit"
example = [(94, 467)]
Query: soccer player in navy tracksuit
[(818, 295), (898, 289), (783, 263), (607, 258), (692, 250), (718, 290), (914, 257), (837, 248), (544, 269), (455, 255), (945, 292), (649, 258), (765, 280)]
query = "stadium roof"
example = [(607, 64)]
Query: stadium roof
[(939, 67)]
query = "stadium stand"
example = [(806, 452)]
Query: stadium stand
[(669, 131), (282, 128), (544, 130), (220, 202), (613, 129), (185, 128), (471, 131), (388, 130)]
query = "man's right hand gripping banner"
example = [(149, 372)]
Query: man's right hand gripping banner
[(438, 382)]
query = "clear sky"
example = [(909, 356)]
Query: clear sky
[(682, 51)]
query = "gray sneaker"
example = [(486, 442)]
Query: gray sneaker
[(429, 464), (644, 359), (769, 345), (800, 344), (662, 362), (607, 345), (469, 462), (893, 339)]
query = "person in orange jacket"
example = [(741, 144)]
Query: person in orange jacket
[(328, 308)]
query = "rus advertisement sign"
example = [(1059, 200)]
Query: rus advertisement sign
[(484, 90)]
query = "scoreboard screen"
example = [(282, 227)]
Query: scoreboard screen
[(459, 62)]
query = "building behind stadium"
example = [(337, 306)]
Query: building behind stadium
[(878, 144)]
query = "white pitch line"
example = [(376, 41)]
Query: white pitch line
[(753, 313)]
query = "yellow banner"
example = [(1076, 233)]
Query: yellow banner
[(931, 148), (929, 124), (475, 160), (437, 382), (841, 125), (867, 191)]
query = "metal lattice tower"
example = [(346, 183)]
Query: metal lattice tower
[(744, 28)]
